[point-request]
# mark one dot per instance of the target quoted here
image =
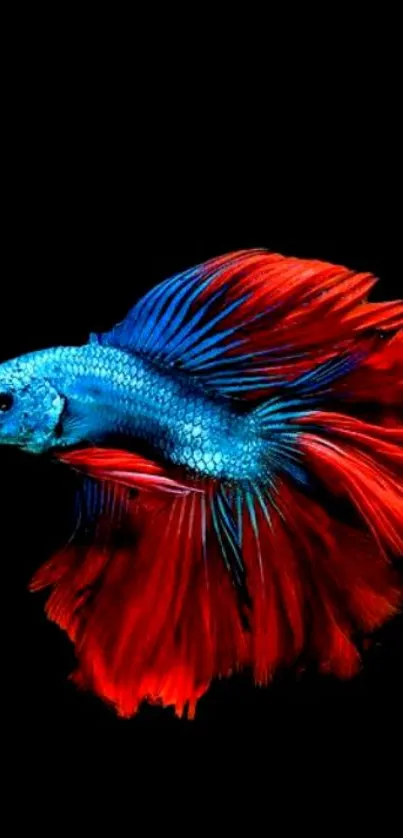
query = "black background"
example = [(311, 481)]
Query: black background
[(107, 195)]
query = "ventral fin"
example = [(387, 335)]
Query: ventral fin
[(124, 468)]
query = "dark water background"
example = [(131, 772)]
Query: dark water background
[(96, 213)]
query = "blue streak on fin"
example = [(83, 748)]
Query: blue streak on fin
[(95, 500), (250, 503), (204, 535), (324, 375), (227, 532), (239, 512), (303, 395)]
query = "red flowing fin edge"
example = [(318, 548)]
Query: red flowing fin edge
[(157, 620), (379, 378), (283, 297), (364, 463), (164, 621), (125, 468), (316, 583)]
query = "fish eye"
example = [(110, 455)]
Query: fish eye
[(6, 402)]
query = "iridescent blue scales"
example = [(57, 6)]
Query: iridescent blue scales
[(109, 391)]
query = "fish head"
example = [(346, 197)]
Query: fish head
[(30, 406)]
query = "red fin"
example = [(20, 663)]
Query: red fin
[(379, 378), (162, 623), (302, 312), (123, 467), (320, 581), (154, 616), (364, 463)]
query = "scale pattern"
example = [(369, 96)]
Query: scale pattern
[(110, 391)]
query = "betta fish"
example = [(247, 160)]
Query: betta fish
[(218, 435)]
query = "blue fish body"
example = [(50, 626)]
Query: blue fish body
[(106, 391)]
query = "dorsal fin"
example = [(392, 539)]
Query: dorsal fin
[(189, 321), (251, 321)]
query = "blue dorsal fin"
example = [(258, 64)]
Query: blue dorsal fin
[(158, 323), (195, 321)]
